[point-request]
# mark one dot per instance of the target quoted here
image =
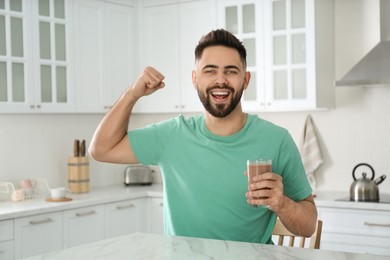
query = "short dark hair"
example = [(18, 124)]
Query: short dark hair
[(220, 37)]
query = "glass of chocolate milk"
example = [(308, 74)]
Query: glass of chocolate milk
[(256, 167)]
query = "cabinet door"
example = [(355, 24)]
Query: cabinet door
[(245, 20), (157, 215), (104, 53), (6, 239), (53, 91), (160, 49), (124, 217), (15, 56), (35, 72), (88, 50), (7, 250), (290, 44), (37, 234), (83, 225), (119, 45), (192, 26)]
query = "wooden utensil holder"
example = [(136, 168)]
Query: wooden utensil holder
[(78, 174)]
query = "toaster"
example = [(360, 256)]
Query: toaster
[(138, 175)]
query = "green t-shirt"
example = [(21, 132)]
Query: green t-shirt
[(203, 175)]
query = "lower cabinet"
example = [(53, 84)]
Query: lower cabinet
[(6, 239), (28, 236), (125, 217), (355, 230), (83, 225), (156, 216), (38, 234)]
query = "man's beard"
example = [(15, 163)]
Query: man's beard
[(220, 110)]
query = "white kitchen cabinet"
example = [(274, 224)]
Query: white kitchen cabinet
[(290, 51), (6, 239), (156, 215), (37, 234), (169, 32), (35, 71), (355, 230), (104, 47), (83, 225), (125, 217)]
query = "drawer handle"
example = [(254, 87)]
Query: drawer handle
[(38, 222), (83, 214), (2, 251), (125, 206), (376, 224)]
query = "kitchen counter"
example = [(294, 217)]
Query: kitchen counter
[(96, 196), (115, 193), (153, 246), (330, 199)]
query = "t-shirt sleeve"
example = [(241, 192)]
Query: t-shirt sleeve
[(295, 183), (148, 143)]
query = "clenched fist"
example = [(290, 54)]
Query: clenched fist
[(148, 82)]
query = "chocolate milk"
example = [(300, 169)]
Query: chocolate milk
[(257, 167)]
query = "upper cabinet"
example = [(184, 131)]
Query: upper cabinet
[(169, 33), (104, 47), (35, 71), (80, 55), (290, 51)]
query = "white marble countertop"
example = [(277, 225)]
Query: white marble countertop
[(116, 193), (153, 246)]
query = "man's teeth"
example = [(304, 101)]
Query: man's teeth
[(220, 93)]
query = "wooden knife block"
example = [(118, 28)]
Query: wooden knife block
[(78, 174)]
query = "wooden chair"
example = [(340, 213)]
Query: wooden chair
[(281, 231)]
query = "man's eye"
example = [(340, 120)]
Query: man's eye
[(209, 71), (231, 72)]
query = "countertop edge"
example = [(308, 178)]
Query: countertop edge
[(117, 193), (97, 196)]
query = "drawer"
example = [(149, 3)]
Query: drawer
[(373, 223), (6, 230), (356, 243)]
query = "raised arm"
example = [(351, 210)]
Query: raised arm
[(110, 142)]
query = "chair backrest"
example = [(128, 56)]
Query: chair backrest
[(281, 231)]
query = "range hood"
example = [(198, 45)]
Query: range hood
[(374, 67)]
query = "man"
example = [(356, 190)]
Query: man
[(203, 158)]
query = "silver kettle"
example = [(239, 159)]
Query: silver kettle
[(365, 189)]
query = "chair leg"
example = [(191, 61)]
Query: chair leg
[(292, 240), (280, 240)]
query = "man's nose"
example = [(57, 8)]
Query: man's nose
[(221, 79)]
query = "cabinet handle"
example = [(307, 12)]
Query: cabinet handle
[(38, 222), (125, 206), (2, 251), (83, 214), (376, 224), (161, 204)]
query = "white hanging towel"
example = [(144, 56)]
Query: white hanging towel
[(310, 152)]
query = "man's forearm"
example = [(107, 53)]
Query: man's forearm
[(299, 217)]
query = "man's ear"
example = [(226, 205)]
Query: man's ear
[(247, 79), (194, 83)]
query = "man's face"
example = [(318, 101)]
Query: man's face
[(220, 80)]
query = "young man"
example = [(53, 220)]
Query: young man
[(202, 158)]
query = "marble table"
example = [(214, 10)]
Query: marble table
[(153, 246)]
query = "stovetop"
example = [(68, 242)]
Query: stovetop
[(383, 198)]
